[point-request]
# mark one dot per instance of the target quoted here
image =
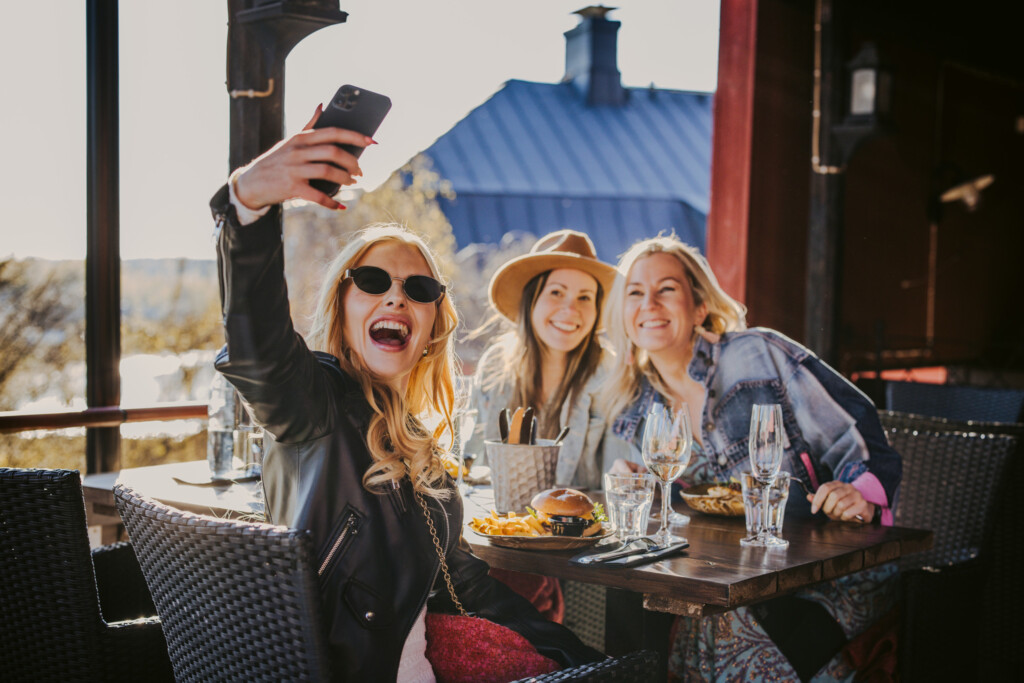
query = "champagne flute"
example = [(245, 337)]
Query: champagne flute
[(666, 452), (765, 447)]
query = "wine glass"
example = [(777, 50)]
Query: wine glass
[(666, 452), (765, 446)]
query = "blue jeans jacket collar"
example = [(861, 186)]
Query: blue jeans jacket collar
[(705, 355)]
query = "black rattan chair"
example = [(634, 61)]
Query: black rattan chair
[(68, 614), (950, 483), (239, 601), (640, 666), (955, 402), (958, 481)]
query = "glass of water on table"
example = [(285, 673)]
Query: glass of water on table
[(628, 499)]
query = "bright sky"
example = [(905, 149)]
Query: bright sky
[(435, 60)]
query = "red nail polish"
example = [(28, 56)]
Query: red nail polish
[(372, 141), (341, 207)]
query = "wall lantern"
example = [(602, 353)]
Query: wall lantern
[(869, 101)]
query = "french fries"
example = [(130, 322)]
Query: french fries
[(451, 466), (508, 525)]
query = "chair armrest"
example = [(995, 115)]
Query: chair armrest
[(121, 585), (641, 665), (136, 650)]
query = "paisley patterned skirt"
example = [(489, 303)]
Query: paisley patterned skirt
[(733, 646)]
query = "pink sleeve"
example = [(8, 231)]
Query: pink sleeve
[(872, 490)]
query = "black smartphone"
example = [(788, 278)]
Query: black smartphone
[(356, 109)]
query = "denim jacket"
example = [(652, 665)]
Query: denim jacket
[(832, 428)]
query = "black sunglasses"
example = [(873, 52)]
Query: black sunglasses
[(372, 280)]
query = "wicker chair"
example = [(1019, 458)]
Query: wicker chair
[(955, 402), (958, 481), (69, 614), (893, 420), (635, 666), (239, 601)]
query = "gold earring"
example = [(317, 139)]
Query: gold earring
[(426, 350)]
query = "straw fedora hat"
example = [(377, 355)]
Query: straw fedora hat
[(559, 249)]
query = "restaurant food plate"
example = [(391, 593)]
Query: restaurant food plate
[(544, 542), (717, 498)]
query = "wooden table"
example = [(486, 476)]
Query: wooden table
[(714, 575), (157, 482)]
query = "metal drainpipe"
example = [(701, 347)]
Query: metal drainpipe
[(824, 238), (103, 260)]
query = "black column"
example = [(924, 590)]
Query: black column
[(825, 229), (261, 33), (102, 261)]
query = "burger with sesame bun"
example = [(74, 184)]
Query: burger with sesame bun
[(567, 512)]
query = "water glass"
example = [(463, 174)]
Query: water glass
[(765, 447), (628, 499), (753, 500), (467, 423)]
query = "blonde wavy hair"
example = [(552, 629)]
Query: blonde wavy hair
[(397, 438), (631, 364)]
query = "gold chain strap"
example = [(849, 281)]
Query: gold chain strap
[(440, 553)]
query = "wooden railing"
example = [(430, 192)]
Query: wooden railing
[(106, 416)]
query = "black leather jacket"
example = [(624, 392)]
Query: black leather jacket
[(377, 561)]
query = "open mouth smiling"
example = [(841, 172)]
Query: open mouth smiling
[(390, 334), (653, 324), (565, 327)]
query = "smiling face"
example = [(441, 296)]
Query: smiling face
[(659, 311), (389, 331), (566, 310)]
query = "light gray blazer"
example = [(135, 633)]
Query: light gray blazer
[(578, 465)]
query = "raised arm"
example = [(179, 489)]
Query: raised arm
[(265, 358)]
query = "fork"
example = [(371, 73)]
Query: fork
[(807, 490)]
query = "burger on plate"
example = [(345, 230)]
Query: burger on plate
[(567, 512)]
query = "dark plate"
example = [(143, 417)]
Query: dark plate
[(544, 542)]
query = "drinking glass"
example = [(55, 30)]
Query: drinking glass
[(765, 447), (467, 422), (666, 452), (628, 499)]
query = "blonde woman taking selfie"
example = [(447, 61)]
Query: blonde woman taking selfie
[(348, 457)]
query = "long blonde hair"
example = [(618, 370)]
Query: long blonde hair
[(397, 439), (724, 314), (520, 366)]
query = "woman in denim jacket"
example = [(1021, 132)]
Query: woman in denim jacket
[(680, 339)]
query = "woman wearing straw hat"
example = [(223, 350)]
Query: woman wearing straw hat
[(551, 360)]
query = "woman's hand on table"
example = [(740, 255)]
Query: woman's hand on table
[(841, 502), (284, 171), (621, 466)]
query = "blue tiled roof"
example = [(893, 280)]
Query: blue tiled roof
[(534, 157)]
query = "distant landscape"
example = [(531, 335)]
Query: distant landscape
[(171, 326)]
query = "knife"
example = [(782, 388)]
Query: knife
[(636, 547), (503, 418), (515, 426), (652, 556), (528, 428)]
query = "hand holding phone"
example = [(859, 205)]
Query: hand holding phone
[(356, 109)]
